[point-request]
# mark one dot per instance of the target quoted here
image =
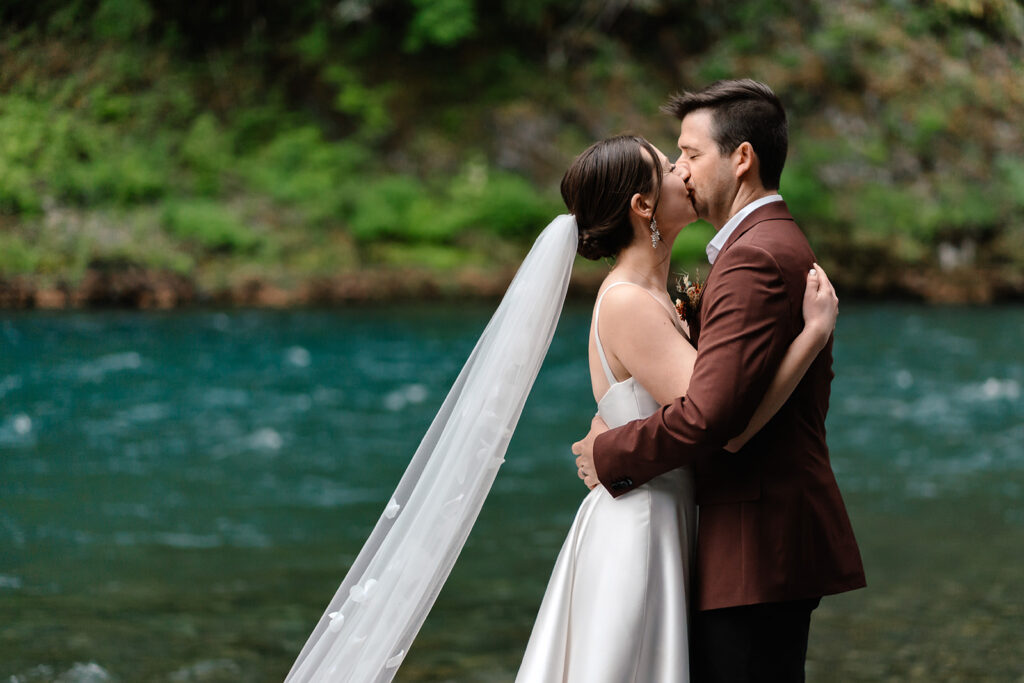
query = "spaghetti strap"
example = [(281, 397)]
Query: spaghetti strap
[(597, 337)]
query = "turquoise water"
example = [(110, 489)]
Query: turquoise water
[(181, 493)]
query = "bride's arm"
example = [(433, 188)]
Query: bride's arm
[(640, 339), (821, 306)]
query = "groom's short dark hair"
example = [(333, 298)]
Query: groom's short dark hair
[(742, 111)]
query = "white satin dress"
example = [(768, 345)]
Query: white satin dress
[(616, 606)]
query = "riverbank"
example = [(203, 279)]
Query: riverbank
[(133, 287), (294, 157)]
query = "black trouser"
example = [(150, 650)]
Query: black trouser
[(766, 642)]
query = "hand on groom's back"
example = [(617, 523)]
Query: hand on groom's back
[(584, 450)]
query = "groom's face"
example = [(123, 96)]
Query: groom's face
[(708, 173)]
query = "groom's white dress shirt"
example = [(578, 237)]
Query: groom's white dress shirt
[(714, 247)]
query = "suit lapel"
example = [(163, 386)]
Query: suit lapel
[(774, 211)]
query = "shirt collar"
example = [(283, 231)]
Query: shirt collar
[(717, 242)]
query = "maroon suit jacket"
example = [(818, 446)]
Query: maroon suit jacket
[(772, 524)]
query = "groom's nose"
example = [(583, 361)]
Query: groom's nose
[(682, 169)]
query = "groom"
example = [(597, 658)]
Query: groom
[(773, 533)]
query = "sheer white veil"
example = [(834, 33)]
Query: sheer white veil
[(370, 623)]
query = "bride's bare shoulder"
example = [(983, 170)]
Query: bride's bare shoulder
[(624, 308)]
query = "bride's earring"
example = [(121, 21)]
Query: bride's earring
[(655, 235)]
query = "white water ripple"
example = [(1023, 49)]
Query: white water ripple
[(9, 384), (297, 357), (97, 370), (406, 395)]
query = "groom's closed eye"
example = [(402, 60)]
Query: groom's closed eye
[(688, 153)]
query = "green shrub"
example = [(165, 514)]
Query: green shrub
[(691, 244), (383, 208), (497, 202), (432, 256), (206, 152), (17, 193), (511, 207), (807, 197), (22, 136), (109, 108), (301, 169), (253, 128), (16, 256), (966, 206), (121, 19), (1010, 171), (440, 22), (124, 176), (884, 211), (368, 104), (211, 226), (403, 208)]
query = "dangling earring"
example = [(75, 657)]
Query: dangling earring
[(655, 235)]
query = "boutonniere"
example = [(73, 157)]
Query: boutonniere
[(688, 305)]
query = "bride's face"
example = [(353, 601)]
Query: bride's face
[(675, 208)]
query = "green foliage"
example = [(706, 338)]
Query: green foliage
[(17, 257), (691, 244), (430, 256), (504, 204), (476, 201), (78, 161), (319, 130), (107, 171), (301, 169), (367, 105), (254, 127), (886, 211), (385, 209), (211, 226), (440, 22), (206, 151), (313, 46), (1010, 171), (807, 196), (17, 195), (121, 20), (22, 135)]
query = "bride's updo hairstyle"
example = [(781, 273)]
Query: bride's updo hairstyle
[(598, 187)]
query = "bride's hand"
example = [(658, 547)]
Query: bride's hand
[(821, 305)]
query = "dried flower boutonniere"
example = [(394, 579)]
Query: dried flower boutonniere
[(688, 305)]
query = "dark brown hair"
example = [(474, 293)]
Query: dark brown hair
[(742, 111), (597, 189)]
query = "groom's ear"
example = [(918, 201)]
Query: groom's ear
[(744, 160)]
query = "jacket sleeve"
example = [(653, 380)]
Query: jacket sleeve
[(746, 329)]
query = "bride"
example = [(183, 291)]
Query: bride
[(627, 203)]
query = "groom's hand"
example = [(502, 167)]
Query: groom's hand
[(584, 450)]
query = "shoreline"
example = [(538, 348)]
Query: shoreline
[(136, 288)]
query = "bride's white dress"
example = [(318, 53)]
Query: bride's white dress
[(616, 606)]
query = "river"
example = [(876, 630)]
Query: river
[(181, 493)]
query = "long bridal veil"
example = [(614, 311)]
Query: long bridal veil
[(372, 620)]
